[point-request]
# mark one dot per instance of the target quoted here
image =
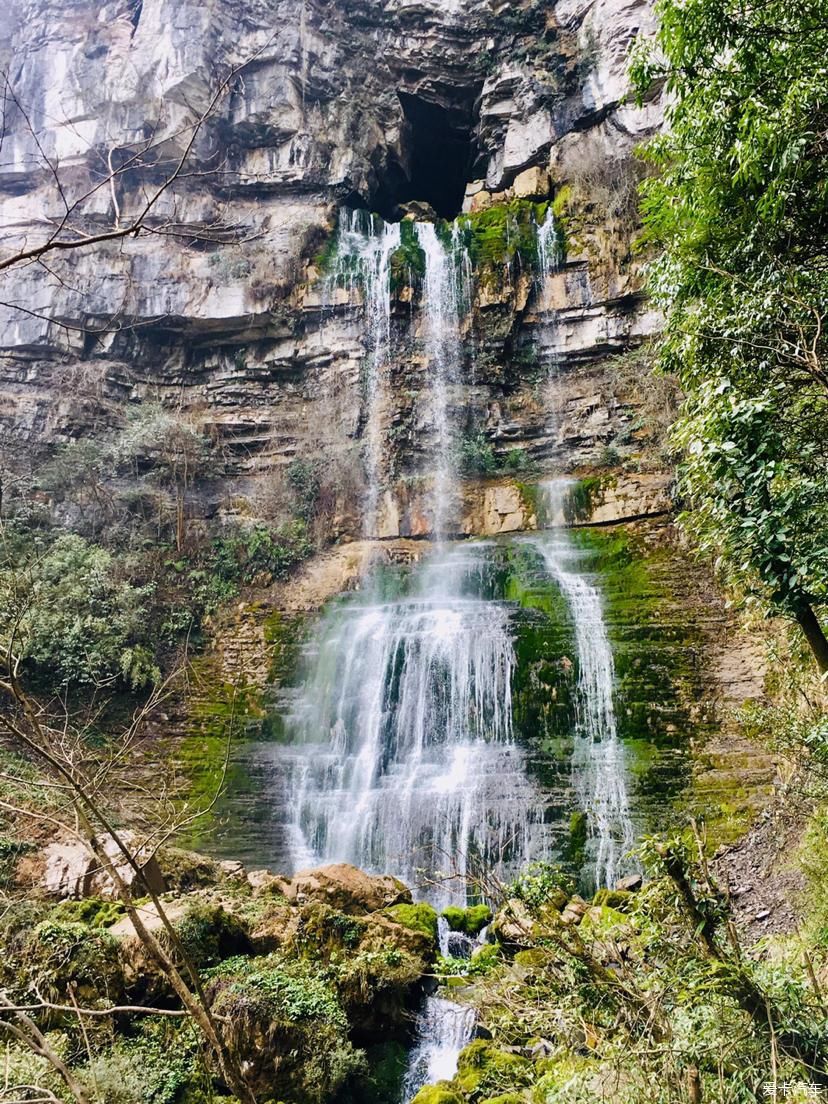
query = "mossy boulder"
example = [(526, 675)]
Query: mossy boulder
[(620, 899), (483, 1070), (186, 870), (285, 1021), (441, 1093), (63, 955), (471, 921), (420, 918), (505, 1098), (209, 934), (375, 964)]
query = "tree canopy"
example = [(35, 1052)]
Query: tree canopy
[(738, 211)]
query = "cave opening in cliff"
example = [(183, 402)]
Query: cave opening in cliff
[(439, 148)]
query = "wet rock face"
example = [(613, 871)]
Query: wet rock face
[(440, 103)]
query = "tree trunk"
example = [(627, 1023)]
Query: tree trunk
[(814, 635)]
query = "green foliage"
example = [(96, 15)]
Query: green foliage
[(476, 454), (303, 478), (241, 557), (740, 210), (72, 612), (516, 460), (281, 988), (159, 1065), (483, 959), (540, 883)]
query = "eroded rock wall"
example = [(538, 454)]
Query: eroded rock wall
[(213, 310)]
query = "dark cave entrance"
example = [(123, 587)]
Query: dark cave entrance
[(439, 154)]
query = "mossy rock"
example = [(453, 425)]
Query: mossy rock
[(534, 958), (73, 956), (285, 1021), (505, 1098), (441, 1093), (185, 870), (483, 1070), (620, 899), (420, 918), (209, 934), (471, 921), (93, 911)]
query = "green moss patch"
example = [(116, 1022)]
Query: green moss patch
[(419, 917), (471, 921)]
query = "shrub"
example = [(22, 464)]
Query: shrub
[(541, 882), (76, 617), (477, 455)]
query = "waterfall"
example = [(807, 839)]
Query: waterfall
[(403, 743), (365, 246), (443, 1029), (548, 247), (598, 757), (442, 298)]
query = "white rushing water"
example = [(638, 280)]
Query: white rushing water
[(443, 1029), (598, 762), (548, 247), (445, 271), (404, 752), (365, 246)]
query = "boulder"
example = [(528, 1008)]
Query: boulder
[(262, 881), (514, 924), (575, 910), (532, 183), (348, 889), (630, 884), (71, 870), (232, 870)]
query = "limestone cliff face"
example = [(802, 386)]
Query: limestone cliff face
[(458, 103)]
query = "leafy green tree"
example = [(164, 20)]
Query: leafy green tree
[(738, 211), (67, 612)]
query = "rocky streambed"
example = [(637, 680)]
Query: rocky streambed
[(324, 983)]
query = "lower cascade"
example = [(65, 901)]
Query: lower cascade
[(443, 1029)]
